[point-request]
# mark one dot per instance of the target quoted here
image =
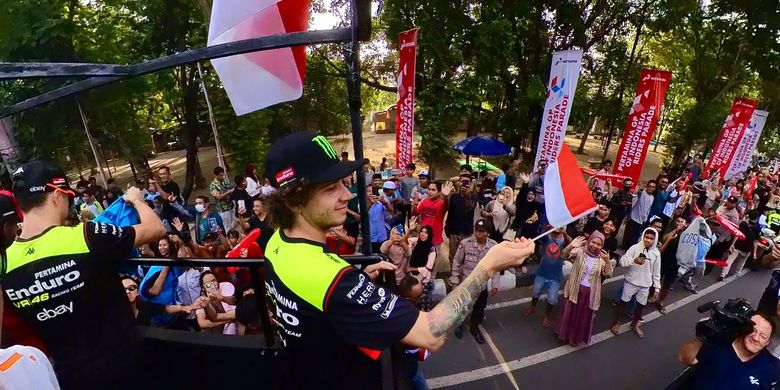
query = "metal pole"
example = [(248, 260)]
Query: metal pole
[(352, 59), (220, 158), (92, 145)]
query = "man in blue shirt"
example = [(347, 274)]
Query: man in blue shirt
[(206, 220), (378, 210), (742, 364), (549, 274)]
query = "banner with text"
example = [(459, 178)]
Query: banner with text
[(743, 157), (404, 113), (564, 72), (730, 135), (642, 119)]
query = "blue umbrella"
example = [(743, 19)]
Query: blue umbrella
[(482, 146)]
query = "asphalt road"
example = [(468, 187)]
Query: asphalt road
[(521, 354)]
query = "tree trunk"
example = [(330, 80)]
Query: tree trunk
[(588, 129), (194, 176)]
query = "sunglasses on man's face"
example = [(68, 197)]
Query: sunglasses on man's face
[(131, 288)]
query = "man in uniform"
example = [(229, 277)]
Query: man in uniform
[(62, 281), (470, 252), (333, 320)]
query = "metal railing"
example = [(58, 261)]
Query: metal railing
[(253, 265)]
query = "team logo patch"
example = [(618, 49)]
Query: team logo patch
[(285, 176), (58, 181)]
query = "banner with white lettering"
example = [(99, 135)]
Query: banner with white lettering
[(642, 119), (564, 72), (730, 135), (743, 157), (404, 113)]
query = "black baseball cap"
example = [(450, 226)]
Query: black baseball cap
[(40, 176), (483, 224), (305, 155), (8, 206)]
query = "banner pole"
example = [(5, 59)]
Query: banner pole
[(92, 145)]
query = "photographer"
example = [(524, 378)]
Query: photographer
[(743, 364)]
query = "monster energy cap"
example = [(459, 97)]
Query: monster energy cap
[(305, 155)]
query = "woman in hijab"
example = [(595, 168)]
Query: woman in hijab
[(500, 211), (527, 211), (582, 292), (421, 263)]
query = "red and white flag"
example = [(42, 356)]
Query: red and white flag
[(566, 195), (260, 79)]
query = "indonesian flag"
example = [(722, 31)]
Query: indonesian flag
[(566, 195), (731, 227), (260, 79)]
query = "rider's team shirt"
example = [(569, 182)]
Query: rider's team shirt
[(64, 284), (333, 320)]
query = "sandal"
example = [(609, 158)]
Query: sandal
[(661, 309), (615, 329), (638, 331)]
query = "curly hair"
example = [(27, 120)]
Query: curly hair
[(283, 202)]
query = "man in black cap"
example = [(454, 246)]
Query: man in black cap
[(333, 320), (62, 281)]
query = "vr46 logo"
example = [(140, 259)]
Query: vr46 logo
[(31, 301)]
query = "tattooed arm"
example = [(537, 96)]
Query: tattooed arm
[(431, 328)]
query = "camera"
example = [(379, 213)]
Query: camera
[(724, 323)]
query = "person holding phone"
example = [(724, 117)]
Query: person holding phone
[(644, 271), (242, 201), (206, 220)]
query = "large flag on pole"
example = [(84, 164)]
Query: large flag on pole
[(744, 154), (404, 113), (260, 79), (566, 195), (731, 135), (564, 72), (642, 119)]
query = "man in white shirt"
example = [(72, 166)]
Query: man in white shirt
[(24, 368), (644, 271)]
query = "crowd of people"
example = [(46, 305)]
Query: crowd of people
[(672, 226)]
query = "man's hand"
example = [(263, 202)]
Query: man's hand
[(133, 194), (639, 260), (508, 254), (178, 224), (493, 291), (373, 270), (446, 190)]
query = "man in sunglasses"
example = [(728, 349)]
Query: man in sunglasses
[(62, 281)]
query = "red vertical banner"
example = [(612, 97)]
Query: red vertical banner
[(730, 135), (404, 114), (642, 119)]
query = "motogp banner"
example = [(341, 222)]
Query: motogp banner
[(564, 72), (744, 154), (404, 114), (642, 119), (731, 135)]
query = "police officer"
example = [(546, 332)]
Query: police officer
[(470, 252), (333, 320)]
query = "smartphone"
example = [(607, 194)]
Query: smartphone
[(241, 204), (213, 224)]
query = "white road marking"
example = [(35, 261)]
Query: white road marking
[(523, 301), (499, 357), (498, 369)]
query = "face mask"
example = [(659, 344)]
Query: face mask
[(200, 208)]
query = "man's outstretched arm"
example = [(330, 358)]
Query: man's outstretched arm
[(431, 328)]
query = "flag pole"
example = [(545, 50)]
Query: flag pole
[(544, 234), (220, 157), (92, 145)]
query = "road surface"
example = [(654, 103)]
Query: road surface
[(521, 354)]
